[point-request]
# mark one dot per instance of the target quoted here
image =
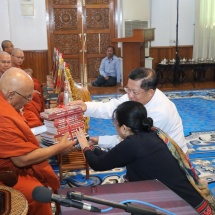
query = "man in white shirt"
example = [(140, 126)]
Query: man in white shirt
[(141, 87)]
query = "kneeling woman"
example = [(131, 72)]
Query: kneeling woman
[(147, 153)]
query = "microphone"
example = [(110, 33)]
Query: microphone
[(127, 206), (45, 195)]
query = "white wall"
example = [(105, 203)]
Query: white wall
[(163, 18), (4, 21), (26, 32), (29, 33), (136, 10)]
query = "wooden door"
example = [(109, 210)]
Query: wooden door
[(81, 30)]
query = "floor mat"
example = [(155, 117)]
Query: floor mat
[(197, 110)]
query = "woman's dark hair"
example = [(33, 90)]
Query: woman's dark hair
[(133, 115), (148, 77)]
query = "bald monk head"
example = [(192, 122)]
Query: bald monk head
[(17, 87), (5, 62), (17, 57), (29, 71), (7, 46)]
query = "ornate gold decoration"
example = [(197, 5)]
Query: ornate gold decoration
[(78, 93)]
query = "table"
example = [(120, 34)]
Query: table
[(165, 72), (151, 191)]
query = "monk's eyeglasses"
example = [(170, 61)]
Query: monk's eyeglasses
[(29, 99)]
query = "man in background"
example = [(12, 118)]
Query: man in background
[(5, 62), (110, 70), (7, 46)]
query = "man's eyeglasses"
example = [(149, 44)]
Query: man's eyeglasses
[(28, 99), (127, 90)]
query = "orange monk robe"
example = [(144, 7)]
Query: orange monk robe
[(32, 110), (16, 139), (37, 85), (32, 115), (40, 99)]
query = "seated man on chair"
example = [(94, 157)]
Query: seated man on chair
[(110, 70)]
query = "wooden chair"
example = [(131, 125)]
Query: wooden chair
[(12, 201), (73, 161)]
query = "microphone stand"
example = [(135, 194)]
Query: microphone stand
[(177, 61), (133, 209)]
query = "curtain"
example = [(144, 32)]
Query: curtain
[(204, 37)]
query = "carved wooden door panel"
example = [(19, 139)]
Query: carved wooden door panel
[(81, 30)]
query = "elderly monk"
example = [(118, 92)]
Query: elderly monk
[(17, 57), (5, 62), (20, 149)]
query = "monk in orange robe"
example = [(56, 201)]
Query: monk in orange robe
[(38, 89), (32, 109), (17, 57), (19, 148), (31, 113), (5, 62)]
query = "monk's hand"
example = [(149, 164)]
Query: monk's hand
[(79, 103), (79, 133), (36, 92), (67, 145), (106, 78), (93, 141)]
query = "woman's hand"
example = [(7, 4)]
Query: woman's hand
[(81, 138)]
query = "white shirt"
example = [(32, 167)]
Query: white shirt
[(163, 112)]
